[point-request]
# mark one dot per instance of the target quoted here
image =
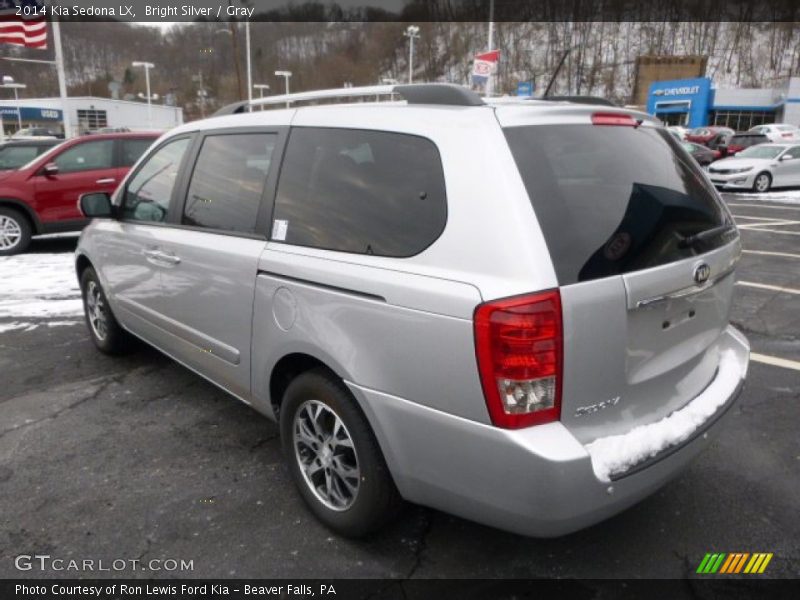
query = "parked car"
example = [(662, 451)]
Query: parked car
[(703, 135), (704, 156), (779, 132), (28, 133), (759, 168), (13, 155), (679, 130), (738, 142), (42, 195), (534, 348)]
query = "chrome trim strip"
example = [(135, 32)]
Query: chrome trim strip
[(687, 291)]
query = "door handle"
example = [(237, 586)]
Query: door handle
[(105, 181), (161, 257)]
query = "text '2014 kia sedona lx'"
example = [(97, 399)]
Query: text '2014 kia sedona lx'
[(516, 313)]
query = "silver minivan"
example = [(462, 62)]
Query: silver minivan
[(515, 312)]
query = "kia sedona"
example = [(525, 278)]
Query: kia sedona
[(517, 313)]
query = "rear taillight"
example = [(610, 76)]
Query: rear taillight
[(786, 135), (519, 345), (614, 119)]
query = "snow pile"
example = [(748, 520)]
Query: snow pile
[(618, 453), (39, 286), (780, 196)]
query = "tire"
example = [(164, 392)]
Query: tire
[(766, 183), (104, 329), (15, 231), (365, 498)]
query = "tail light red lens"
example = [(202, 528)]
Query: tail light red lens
[(614, 119), (519, 346)]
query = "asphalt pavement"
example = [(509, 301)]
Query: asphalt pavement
[(138, 458)]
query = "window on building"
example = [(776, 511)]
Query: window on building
[(91, 119), (358, 191), (743, 120)]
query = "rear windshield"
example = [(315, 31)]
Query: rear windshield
[(611, 200)]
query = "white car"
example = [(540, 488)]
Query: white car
[(779, 132), (758, 168), (680, 131)]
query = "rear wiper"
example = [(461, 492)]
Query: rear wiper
[(691, 240)]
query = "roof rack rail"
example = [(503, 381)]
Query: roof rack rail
[(579, 100), (418, 93)]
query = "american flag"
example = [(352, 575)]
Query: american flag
[(20, 29)]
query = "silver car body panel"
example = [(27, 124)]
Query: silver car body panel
[(399, 332)]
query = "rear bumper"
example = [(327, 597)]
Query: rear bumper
[(539, 481)]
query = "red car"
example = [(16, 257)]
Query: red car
[(42, 196), (703, 135)]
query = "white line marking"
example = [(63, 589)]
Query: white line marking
[(765, 219), (767, 206), (775, 361), (779, 223), (764, 286), (744, 228), (767, 253)]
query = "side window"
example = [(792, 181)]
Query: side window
[(793, 152), (228, 181), (149, 191), (86, 156), (132, 150), (359, 191)]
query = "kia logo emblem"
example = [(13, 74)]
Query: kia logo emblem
[(701, 273)]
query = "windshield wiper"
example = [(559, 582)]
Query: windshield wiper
[(691, 240)]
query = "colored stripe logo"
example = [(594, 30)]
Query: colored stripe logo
[(734, 562)]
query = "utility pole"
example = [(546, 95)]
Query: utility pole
[(235, 41), (249, 66), (491, 47), (411, 33)]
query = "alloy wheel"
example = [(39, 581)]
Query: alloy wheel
[(10, 232), (96, 310), (326, 455), (762, 183)]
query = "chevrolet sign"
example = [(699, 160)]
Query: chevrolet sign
[(686, 90)]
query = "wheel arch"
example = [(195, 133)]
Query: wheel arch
[(26, 210)]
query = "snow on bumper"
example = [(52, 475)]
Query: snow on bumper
[(616, 454)]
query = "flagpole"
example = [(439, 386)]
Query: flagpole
[(62, 78), (491, 47)]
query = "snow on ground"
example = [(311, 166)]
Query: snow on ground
[(780, 196), (618, 453), (39, 286)]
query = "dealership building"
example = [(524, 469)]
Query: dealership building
[(697, 102), (87, 114)]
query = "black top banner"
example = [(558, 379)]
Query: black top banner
[(404, 10)]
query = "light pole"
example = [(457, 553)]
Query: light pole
[(286, 75), (147, 66), (489, 81), (8, 83), (249, 66), (412, 32)]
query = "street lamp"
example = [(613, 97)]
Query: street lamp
[(147, 66), (286, 75), (412, 32), (8, 83)]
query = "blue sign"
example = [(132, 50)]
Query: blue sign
[(525, 88), (30, 113), (693, 97)]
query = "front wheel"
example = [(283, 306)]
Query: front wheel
[(762, 183), (106, 332), (15, 232), (334, 457)]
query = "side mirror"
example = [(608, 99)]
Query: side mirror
[(786, 157), (50, 169), (96, 205)]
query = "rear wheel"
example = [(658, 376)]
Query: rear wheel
[(106, 332), (334, 457), (15, 232), (762, 183)]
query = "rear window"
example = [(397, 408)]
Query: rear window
[(612, 200), (748, 139)]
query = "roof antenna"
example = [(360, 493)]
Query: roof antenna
[(555, 74)]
